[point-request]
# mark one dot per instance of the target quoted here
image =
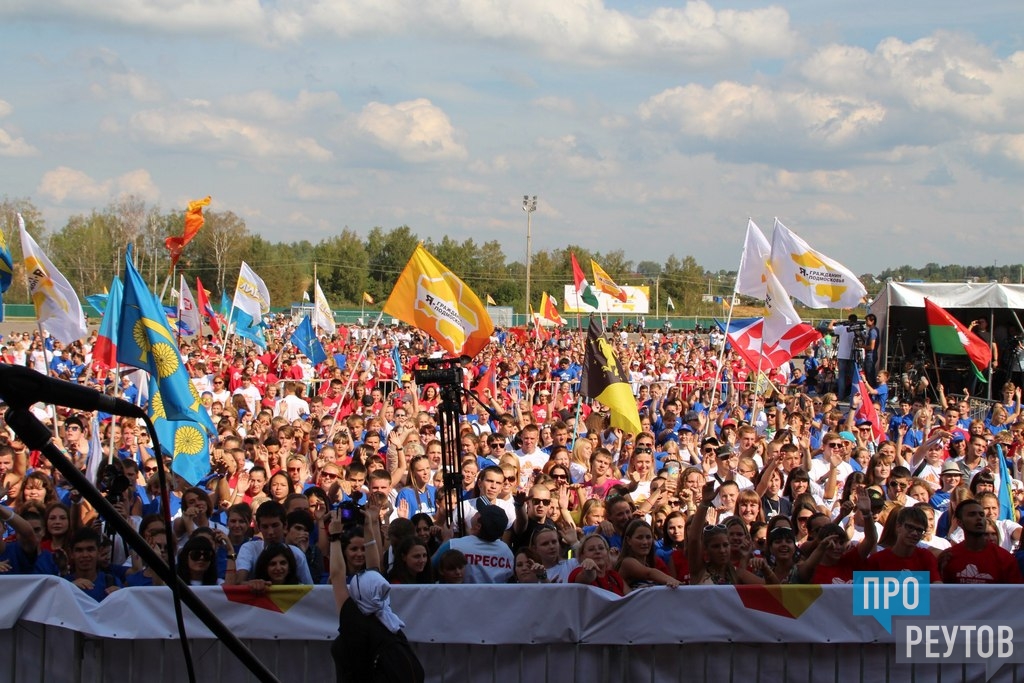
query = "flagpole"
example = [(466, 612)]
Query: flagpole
[(352, 374), (181, 282), (316, 328), (721, 357)]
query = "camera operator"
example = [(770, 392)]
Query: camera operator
[(850, 350), (1015, 358), (871, 336)]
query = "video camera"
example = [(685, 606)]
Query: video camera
[(352, 513), (440, 371), (112, 483)]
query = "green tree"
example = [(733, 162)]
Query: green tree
[(36, 227), (342, 267), (224, 237), (387, 253)]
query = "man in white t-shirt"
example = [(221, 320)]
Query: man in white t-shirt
[(270, 519), (488, 558), (490, 482), (250, 393), (530, 456), (291, 407)]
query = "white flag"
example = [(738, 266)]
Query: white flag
[(779, 314), (323, 316), (671, 306), (305, 295), (57, 304), (251, 294), (188, 311), (756, 252), (810, 276)]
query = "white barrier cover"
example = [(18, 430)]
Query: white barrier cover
[(504, 614)]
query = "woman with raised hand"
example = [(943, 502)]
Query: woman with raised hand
[(370, 643)]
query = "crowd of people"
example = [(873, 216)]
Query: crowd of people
[(728, 481)]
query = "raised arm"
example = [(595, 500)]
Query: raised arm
[(339, 572)]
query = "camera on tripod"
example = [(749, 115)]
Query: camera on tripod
[(439, 371)]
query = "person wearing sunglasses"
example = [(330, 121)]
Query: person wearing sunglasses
[(195, 564)]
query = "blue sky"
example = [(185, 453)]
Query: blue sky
[(883, 133)]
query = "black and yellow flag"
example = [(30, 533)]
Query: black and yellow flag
[(604, 381)]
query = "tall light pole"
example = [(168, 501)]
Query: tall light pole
[(529, 206)]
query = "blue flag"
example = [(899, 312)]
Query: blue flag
[(305, 341), (98, 302), (225, 304), (248, 327), (145, 341), (6, 271), (1005, 499), (184, 441)]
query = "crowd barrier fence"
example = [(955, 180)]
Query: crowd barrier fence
[(52, 632)]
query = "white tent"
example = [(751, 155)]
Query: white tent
[(900, 310)]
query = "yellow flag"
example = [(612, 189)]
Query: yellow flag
[(606, 284), (490, 301), (430, 297), (367, 298)]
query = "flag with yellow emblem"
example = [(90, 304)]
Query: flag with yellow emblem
[(605, 284), (184, 441), (604, 380), (810, 276), (145, 341), (57, 305), (431, 298)]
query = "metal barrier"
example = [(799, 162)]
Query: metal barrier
[(50, 654)]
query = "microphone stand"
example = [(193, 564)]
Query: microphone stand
[(36, 436)]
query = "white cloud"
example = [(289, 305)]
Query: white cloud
[(585, 31), (732, 111), (195, 126), (1009, 147), (463, 186), (576, 159), (841, 181), (945, 73), (69, 184), (562, 105), (417, 131), (111, 77), (11, 146), (826, 212), (266, 105), (304, 189)]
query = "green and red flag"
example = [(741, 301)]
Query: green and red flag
[(583, 291), (950, 336)]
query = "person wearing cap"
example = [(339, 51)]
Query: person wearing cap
[(488, 558), (726, 462), (950, 477)]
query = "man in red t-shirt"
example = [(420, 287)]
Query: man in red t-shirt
[(976, 559), (905, 554)]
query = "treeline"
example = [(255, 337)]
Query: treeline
[(90, 248), (933, 272)]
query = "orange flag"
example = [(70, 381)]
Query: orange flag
[(193, 221), (431, 298)]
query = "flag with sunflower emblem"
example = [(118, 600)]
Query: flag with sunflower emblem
[(145, 341)]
